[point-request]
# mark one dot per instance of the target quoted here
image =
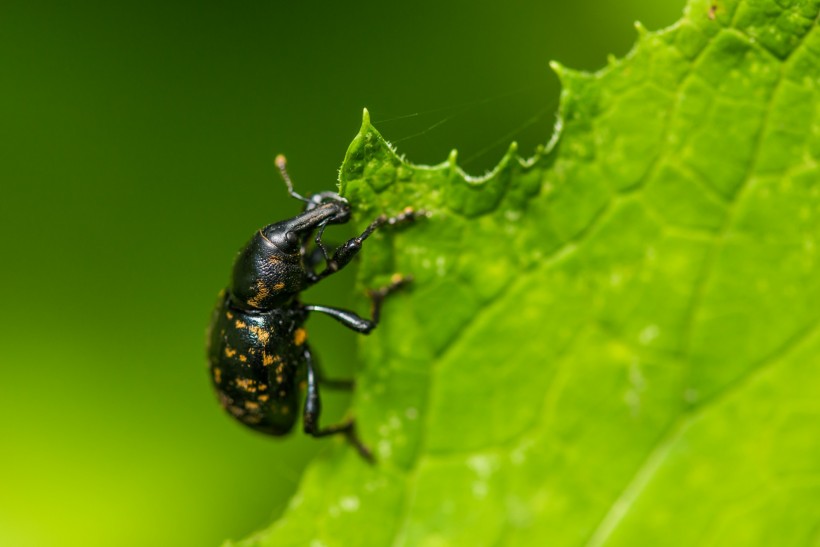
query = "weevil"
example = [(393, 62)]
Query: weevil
[(259, 357)]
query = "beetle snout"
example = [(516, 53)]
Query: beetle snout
[(342, 216), (335, 202)]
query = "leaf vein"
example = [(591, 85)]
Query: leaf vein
[(646, 471)]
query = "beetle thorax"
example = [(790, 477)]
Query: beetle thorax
[(265, 277)]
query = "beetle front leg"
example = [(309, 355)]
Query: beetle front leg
[(319, 244), (313, 410), (311, 258), (345, 253), (354, 321)]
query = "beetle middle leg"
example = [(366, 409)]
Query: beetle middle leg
[(354, 321), (313, 410), (312, 258)]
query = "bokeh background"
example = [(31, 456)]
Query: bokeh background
[(136, 147)]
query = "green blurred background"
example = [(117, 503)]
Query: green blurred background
[(136, 157)]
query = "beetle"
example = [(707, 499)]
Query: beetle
[(258, 352)]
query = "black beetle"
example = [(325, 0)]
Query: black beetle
[(257, 346)]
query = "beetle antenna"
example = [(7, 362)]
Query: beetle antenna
[(281, 163)]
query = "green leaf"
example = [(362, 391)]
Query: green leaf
[(614, 342)]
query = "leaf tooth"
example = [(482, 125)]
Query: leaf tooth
[(513, 149)]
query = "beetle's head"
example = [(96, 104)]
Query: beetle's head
[(288, 236)]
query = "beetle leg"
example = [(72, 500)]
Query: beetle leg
[(355, 322), (377, 296), (313, 257), (319, 244), (345, 253), (346, 385), (313, 409), (347, 318)]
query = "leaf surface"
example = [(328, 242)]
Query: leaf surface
[(614, 342)]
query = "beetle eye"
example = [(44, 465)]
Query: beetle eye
[(291, 238)]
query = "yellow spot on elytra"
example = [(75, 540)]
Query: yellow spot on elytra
[(263, 398), (217, 376), (267, 360), (261, 294), (263, 387), (250, 405), (235, 410), (239, 324), (229, 352), (229, 315), (279, 286), (247, 384), (299, 336), (279, 379), (260, 333), (282, 393), (243, 358)]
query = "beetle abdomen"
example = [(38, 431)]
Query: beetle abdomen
[(255, 366)]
